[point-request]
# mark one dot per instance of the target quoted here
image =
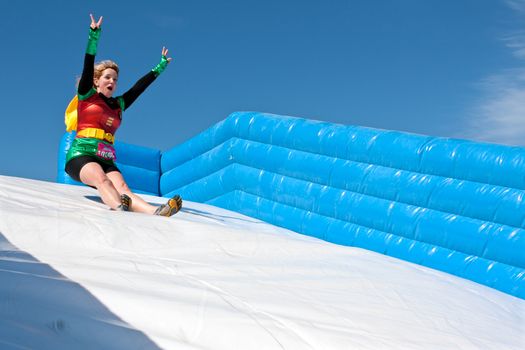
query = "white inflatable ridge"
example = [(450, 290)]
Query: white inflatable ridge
[(74, 274)]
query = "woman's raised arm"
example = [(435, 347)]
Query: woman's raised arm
[(86, 80)]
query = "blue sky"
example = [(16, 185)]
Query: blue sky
[(452, 68)]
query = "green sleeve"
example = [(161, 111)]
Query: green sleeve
[(90, 93), (159, 68), (121, 103), (94, 35)]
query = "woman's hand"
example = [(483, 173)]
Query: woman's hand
[(165, 54), (94, 35), (95, 25), (164, 61)]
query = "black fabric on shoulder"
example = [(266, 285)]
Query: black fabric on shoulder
[(112, 102)]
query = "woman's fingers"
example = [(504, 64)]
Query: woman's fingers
[(165, 54), (95, 24)]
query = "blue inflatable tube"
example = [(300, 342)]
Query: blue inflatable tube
[(140, 166), (453, 205)]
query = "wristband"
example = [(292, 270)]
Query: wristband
[(94, 34), (159, 68)]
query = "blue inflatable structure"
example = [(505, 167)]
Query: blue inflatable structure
[(140, 166), (453, 205)]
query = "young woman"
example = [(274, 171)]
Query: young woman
[(91, 156)]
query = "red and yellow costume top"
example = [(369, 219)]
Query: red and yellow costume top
[(95, 113)]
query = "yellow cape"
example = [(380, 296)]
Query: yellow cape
[(71, 114)]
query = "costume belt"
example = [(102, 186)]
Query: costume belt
[(96, 134)]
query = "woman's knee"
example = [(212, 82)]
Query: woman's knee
[(122, 187), (100, 180), (119, 182), (93, 175), (105, 181)]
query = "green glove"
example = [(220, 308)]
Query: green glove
[(159, 68), (94, 34)]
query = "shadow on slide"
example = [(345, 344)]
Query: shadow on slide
[(202, 213), (42, 309), (216, 217)]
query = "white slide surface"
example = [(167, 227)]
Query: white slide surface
[(74, 274)]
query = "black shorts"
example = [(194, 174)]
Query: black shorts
[(74, 166)]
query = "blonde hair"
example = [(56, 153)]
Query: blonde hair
[(99, 68), (102, 66)]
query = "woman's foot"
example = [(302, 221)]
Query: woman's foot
[(171, 207)]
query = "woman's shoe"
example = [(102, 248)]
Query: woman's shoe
[(125, 203), (171, 207)]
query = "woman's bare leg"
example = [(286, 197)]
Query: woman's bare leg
[(92, 174), (137, 204)]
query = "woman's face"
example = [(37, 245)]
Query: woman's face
[(107, 83)]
